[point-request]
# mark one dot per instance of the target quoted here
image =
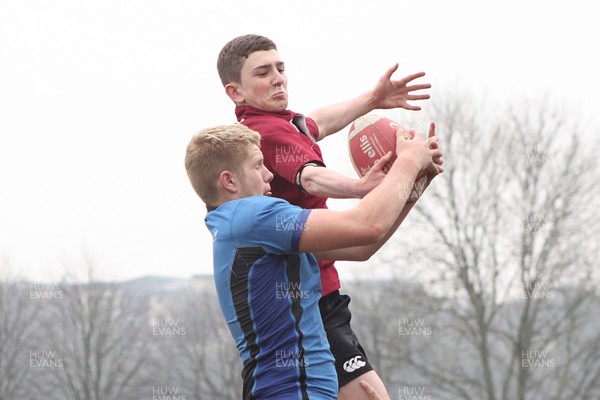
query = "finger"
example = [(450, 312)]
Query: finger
[(421, 86), (433, 169), (433, 143), (431, 133), (413, 97), (401, 134), (411, 77), (409, 134), (415, 134), (410, 107), (369, 391), (382, 162), (387, 157)]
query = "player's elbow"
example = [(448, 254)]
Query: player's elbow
[(372, 233), (362, 255), (310, 186), (308, 181)]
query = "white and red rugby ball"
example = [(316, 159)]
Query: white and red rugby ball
[(370, 138)]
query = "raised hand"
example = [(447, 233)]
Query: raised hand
[(390, 93)]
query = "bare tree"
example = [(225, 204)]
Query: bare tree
[(508, 227), (99, 335), (207, 359), (18, 322)]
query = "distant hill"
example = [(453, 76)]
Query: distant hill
[(152, 283)]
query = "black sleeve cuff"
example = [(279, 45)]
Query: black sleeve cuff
[(299, 174)]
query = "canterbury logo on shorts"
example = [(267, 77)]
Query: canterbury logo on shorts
[(353, 364)]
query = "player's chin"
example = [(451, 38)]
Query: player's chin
[(279, 103)]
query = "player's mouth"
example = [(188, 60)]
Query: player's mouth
[(280, 95)]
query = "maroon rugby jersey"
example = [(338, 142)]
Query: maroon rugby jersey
[(286, 151)]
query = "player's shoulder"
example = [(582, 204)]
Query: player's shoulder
[(235, 214), (262, 201), (270, 123), (251, 204)]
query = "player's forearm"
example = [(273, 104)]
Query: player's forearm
[(384, 204), (333, 118), (369, 250), (324, 182), (368, 222), (363, 253)]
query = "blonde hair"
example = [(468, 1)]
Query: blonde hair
[(214, 150)]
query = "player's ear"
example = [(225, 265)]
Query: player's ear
[(232, 90), (228, 181)]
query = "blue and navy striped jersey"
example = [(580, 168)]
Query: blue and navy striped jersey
[(269, 294)]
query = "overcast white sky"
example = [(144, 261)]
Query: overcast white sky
[(98, 100)]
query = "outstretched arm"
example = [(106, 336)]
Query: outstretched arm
[(324, 182), (370, 221), (387, 93), (363, 253)]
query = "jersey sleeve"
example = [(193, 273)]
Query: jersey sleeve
[(313, 128), (273, 224), (286, 153)]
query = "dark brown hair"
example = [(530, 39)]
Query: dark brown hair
[(236, 51)]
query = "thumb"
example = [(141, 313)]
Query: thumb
[(382, 163)]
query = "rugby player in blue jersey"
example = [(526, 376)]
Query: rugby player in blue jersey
[(266, 250)]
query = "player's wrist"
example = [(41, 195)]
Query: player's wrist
[(407, 164), (360, 188), (369, 101)]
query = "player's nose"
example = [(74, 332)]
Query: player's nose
[(268, 175), (278, 79)]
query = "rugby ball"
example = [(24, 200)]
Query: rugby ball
[(370, 138)]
